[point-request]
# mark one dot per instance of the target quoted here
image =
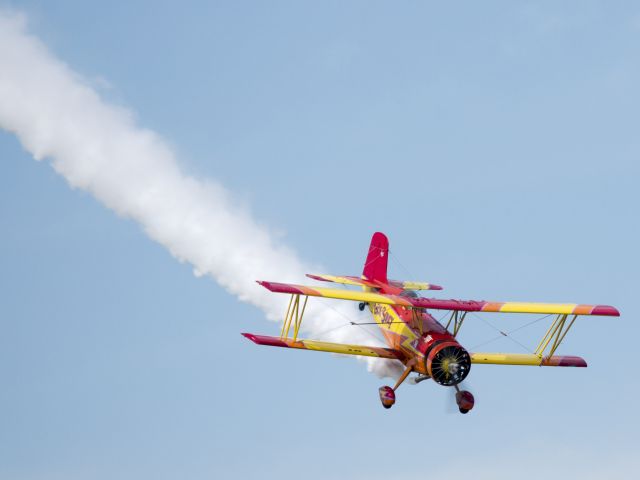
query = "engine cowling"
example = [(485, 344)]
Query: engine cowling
[(447, 363)]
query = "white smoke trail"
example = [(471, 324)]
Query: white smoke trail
[(98, 147)]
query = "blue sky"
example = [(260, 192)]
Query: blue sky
[(495, 144)]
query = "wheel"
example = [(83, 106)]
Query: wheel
[(387, 396), (361, 306), (465, 400)]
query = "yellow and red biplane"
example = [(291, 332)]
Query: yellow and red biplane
[(413, 335)]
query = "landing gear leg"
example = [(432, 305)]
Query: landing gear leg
[(388, 394)]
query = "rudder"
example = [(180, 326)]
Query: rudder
[(375, 267)]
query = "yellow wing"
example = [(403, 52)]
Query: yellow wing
[(528, 359), (439, 304), (325, 346)]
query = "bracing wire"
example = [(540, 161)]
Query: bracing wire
[(349, 323), (507, 334), (400, 264)]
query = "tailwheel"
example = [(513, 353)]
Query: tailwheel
[(387, 396), (464, 400)]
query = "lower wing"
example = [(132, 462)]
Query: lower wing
[(381, 352), (528, 359), (325, 346)]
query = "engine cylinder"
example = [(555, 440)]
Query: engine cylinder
[(447, 363)]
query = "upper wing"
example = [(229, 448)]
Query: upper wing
[(438, 304), (325, 346), (350, 280)]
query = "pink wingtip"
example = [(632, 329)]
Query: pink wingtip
[(265, 340), (315, 277), (267, 285), (250, 336), (280, 287), (564, 361), (435, 287), (605, 310), (572, 361)]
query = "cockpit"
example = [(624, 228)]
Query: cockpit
[(409, 294)]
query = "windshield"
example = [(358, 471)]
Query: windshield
[(409, 293)]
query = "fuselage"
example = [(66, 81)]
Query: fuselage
[(416, 334)]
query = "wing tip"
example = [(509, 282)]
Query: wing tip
[(276, 287), (250, 336), (264, 340), (564, 361), (605, 310), (315, 277)]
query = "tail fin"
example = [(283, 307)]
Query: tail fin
[(374, 274), (375, 268)]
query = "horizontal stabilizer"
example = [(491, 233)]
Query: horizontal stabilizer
[(344, 280), (407, 285), (350, 280), (439, 304), (527, 359), (325, 346)]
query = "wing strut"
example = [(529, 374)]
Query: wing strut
[(544, 353), (557, 331), (294, 315), (293, 318)]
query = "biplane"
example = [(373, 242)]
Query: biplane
[(425, 346)]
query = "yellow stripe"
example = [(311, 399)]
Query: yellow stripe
[(517, 307), (335, 279), (506, 358), (415, 286), (345, 349), (397, 326), (357, 296)]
